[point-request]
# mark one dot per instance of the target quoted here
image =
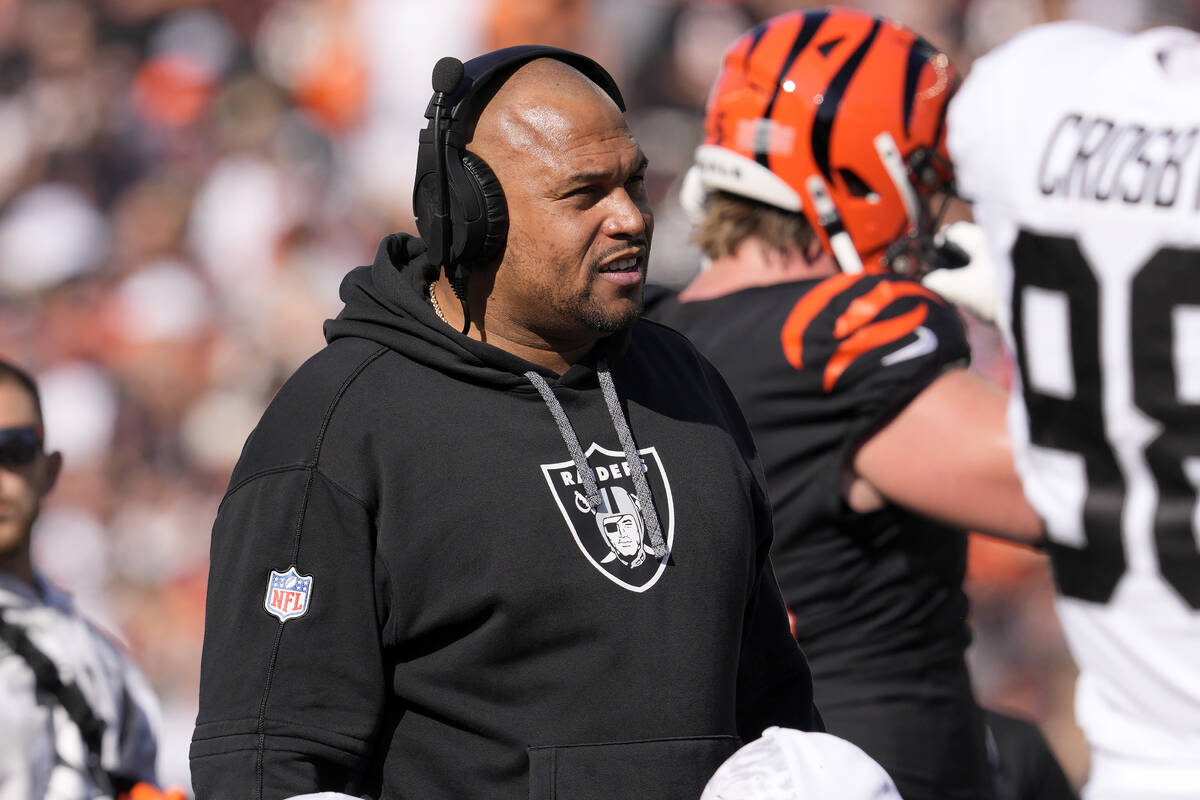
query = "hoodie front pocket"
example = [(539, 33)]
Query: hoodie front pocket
[(650, 769)]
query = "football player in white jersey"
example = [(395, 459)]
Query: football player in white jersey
[(1080, 150)]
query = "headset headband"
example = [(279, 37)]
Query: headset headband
[(479, 72)]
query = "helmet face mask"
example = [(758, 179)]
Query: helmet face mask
[(916, 253), (846, 111)]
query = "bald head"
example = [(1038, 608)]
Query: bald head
[(538, 109)]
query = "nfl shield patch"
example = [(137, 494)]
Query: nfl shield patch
[(613, 538), (288, 594)]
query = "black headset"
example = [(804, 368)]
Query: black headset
[(459, 204)]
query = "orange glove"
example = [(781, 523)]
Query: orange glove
[(145, 791)]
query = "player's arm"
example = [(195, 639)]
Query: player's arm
[(947, 455)]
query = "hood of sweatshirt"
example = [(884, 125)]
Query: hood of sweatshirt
[(388, 302)]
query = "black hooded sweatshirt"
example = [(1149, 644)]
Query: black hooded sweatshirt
[(411, 597)]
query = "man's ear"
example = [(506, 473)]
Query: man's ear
[(53, 467), (813, 251)]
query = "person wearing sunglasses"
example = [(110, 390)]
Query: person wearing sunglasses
[(77, 718)]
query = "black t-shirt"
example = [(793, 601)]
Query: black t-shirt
[(817, 366)]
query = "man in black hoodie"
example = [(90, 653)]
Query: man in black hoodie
[(412, 594)]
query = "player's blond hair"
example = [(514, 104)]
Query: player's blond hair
[(730, 219)]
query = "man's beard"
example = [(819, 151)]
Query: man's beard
[(591, 314)]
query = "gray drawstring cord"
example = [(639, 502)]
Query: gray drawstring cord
[(568, 435), (650, 513), (632, 458)]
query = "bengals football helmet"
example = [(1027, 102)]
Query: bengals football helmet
[(839, 115)]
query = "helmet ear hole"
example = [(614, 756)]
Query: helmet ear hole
[(854, 183)]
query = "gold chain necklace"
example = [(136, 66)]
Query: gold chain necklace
[(437, 309)]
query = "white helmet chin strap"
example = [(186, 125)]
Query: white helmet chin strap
[(889, 154), (829, 219)]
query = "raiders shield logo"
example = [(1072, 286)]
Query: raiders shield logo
[(614, 538)]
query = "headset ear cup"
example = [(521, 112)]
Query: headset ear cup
[(426, 188), (489, 243)]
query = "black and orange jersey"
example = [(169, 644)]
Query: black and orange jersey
[(817, 366)]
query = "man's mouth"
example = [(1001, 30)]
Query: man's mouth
[(629, 264), (623, 271)]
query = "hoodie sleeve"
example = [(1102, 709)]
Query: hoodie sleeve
[(292, 680), (774, 685), (774, 680)]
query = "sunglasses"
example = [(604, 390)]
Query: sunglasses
[(19, 446)]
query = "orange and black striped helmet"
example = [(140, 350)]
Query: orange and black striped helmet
[(839, 115)]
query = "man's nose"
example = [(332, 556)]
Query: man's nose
[(626, 219)]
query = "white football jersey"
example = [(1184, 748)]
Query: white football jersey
[(1080, 150)]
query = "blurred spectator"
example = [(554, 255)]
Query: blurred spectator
[(79, 719)]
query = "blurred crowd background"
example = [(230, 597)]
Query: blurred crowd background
[(183, 184)]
